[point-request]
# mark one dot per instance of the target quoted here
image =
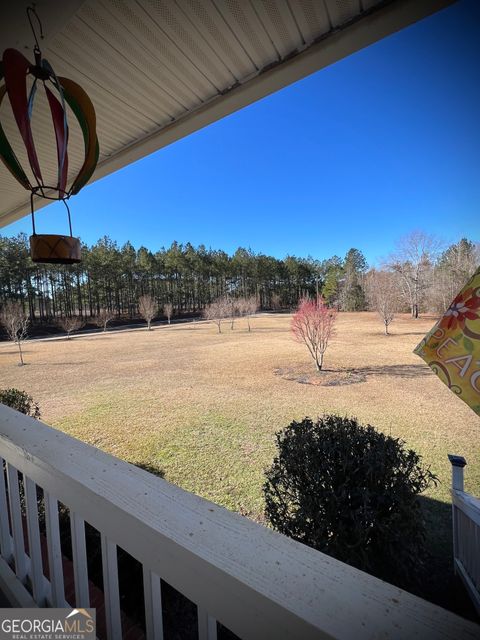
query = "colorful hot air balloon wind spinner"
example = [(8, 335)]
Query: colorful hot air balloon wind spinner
[(20, 81)]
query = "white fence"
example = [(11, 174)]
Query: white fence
[(466, 532), (256, 582)]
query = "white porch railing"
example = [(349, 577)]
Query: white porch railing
[(466, 532), (256, 582)]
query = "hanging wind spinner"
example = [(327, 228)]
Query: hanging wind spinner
[(21, 82)]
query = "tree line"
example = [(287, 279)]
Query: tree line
[(187, 279)]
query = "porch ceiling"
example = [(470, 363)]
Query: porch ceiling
[(159, 70)]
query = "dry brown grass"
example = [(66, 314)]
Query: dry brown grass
[(203, 407)]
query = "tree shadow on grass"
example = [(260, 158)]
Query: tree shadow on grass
[(304, 374), (62, 364), (394, 334), (412, 333), (396, 370), (268, 329), (151, 468), (15, 351), (88, 336)]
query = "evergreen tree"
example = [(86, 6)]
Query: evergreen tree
[(333, 269), (352, 295), (112, 278)]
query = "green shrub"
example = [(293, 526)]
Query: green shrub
[(21, 401), (351, 492)]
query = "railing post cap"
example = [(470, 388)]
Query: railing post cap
[(457, 461)]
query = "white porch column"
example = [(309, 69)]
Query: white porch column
[(458, 463)]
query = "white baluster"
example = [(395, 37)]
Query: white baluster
[(79, 554), (207, 625), (17, 524), (110, 589), (5, 537), (54, 551), (153, 604), (35, 548)]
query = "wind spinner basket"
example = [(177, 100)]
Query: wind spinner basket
[(20, 81)]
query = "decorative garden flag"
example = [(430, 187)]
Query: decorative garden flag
[(452, 348)]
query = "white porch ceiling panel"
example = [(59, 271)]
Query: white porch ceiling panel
[(156, 70)]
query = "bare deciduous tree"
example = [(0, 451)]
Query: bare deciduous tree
[(147, 309), (240, 307), (103, 317), (453, 269), (313, 325), (15, 322), (168, 311), (383, 295), (248, 307), (217, 311), (413, 262), (70, 324), (234, 305), (276, 301)]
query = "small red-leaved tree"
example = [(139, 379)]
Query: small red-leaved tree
[(313, 325)]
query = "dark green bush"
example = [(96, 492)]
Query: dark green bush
[(21, 401), (351, 492)]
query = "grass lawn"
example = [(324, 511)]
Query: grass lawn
[(203, 407)]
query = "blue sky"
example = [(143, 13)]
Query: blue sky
[(358, 154)]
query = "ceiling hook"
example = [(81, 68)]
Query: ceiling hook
[(31, 11)]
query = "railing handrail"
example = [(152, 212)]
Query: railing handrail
[(465, 530), (257, 582), (467, 503)]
